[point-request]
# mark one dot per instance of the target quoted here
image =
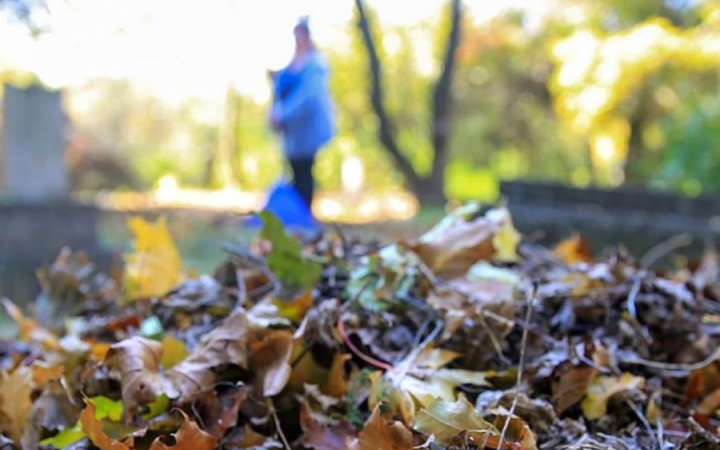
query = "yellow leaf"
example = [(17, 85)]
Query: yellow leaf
[(15, 402), (422, 376), (296, 308), (173, 351), (336, 384), (506, 238), (573, 250), (446, 420), (154, 267), (594, 406), (395, 401)]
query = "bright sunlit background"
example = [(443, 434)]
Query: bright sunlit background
[(178, 50), (169, 99)]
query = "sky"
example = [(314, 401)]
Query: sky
[(180, 49)]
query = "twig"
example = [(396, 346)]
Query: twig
[(672, 367), (658, 422), (416, 352), (242, 294), (638, 412), (521, 363), (663, 248), (632, 309), (275, 417)]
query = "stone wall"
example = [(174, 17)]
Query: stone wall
[(639, 219), (33, 233)]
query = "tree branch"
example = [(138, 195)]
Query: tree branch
[(385, 130), (442, 93)]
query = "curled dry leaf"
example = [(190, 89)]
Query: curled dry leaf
[(380, 434), (139, 361), (188, 437), (320, 436), (270, 358), (220, 411), (594, 405), (15, 402), (450, 249), (93, 430), (452, 253)]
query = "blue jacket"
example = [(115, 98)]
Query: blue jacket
[(302, 104)]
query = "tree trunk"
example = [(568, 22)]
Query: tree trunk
[(442, 106), (428, 189), (386, 130)]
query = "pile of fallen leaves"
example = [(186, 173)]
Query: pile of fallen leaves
[(466, 338)]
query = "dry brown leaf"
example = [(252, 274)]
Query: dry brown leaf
[(139, 361), (246, 437), (709, 404), (574, 250), (15, 401), (224, 345), (571, 386), (518, 435), (93, 430), (43, 373), (188, 437), (220, 411), (270, 359), (324, 437), (51, 411), (594, 405), (451, 254), (379, 434), (29, 330)]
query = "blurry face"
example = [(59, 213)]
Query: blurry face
[(302, 39)]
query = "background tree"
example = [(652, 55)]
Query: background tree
[(429, 188)]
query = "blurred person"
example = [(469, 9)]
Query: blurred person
[(302, 110)]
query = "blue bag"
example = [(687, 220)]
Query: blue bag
[(285, 203)]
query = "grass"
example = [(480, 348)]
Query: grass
[(200, 236)]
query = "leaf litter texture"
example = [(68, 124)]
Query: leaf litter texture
[(331, 344)]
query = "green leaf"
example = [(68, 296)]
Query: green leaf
[(65, 438), (285, 258), (107, 408), (157, 407)]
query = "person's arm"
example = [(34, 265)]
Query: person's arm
[(311, 85)]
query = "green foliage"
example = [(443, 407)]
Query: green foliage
[(512, 118), (286, 259)]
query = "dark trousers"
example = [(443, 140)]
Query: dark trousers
[(303, 178)]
